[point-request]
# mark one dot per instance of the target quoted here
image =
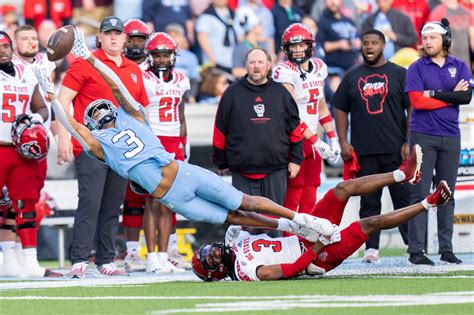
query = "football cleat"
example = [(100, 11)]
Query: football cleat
[(10, 266), (157, 267), (371, 256), (133, 262), (33, 269), (319, 225), (313, 270), (110, 270), (78, 270), (178, 260), (440, 196), (411, 167)]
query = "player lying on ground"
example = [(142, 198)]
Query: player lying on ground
[(124, 141), (260, 257)]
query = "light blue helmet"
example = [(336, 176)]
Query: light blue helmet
[(107, 110)]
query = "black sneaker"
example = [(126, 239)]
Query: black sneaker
[(420, 259), (449, 258)]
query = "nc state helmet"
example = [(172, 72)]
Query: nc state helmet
[(135, 27), (29, 137), (294, 34), (162, 42), (202, 269)]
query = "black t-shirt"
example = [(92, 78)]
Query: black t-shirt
[(377, 104)]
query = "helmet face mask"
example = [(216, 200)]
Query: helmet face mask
[(99, 113), (29, 137), (294, 34), (201, 266), (162, 43)]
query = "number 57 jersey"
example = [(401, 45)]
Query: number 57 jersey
[(165, 98), (308, 91), (253, 251)]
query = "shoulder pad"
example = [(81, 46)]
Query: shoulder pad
[(285, 72)]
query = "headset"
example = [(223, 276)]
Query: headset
[(447, 39)]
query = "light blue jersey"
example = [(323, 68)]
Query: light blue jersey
[(130, 143)]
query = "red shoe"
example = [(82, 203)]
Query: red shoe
[(411, 166), (440, 196)]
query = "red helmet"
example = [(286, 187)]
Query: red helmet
[(203, 270), (162, 42), (29, 137), (298, 33), (135, 27)]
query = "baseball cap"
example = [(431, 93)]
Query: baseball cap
[(111, 23), (433, 27)]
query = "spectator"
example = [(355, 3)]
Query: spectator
[(186, 61), (9, 19), (253, 35), (284, 14), (309, 22), (358, 10), (36, 11), (45, 29), (339, 39), (217, 35), (101, 190), (462, 28), (255, 121), (373, 95), (128, 9), (397, 27), (159, 13), (437, 84), (417, 11), (213, 84), (266, 21), (90, 13)]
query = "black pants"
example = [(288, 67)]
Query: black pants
[(442, 155), (273, 187), (101, 193), (371, 205)]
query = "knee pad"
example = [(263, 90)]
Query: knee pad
[(26, 221), (132, 215)]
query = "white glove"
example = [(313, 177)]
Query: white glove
[(79, 48), (334, 238), (335, 147), (44, 81), (232, 234), (324, 150), (37, 117)]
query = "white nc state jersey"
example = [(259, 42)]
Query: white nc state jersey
[(165, 97), (253, 251), (42, 61), (16, 95), (308, 92), (144, 65)]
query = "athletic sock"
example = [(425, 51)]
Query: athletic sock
[(131, 246), (398, 176)]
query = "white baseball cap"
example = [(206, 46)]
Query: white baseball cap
[(433, 28)]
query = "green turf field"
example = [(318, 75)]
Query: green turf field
[(389, 294)]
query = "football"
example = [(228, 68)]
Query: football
[(60, 43)]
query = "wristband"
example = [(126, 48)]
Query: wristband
[(326, 119), (431, 93), (313, 139), (331, 134)]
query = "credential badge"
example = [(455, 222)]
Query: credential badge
[(452, 71)]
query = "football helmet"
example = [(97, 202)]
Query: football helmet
[(208, 272), (135, 27), (107, 114), (29, 137), (298, 33), (162, 42)]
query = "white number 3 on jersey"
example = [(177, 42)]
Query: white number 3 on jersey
[(132, 140)]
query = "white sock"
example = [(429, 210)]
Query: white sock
[(162, 257), (172, 242), (425, 204), (132, 246), (152, 257), (18, 246), (398, 175), (8, 245), (286, 225), (29, 251)]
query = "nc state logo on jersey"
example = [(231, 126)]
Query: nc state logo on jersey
[(373, 90), (259, 109), (134, 77)]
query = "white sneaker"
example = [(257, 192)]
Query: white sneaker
[(33, 269), (111, 270), (371, 255), (158, 268), (178, 260), (10, 266), (78, 270), (133, 262), (321, 226)]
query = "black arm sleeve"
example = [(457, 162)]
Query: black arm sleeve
[(296, 148), (457, 97), (219, 138)]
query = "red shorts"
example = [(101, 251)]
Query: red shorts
[(310, 169), (23, 177), (329, 207), (43, 172), (173, 145), (331, 256)]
